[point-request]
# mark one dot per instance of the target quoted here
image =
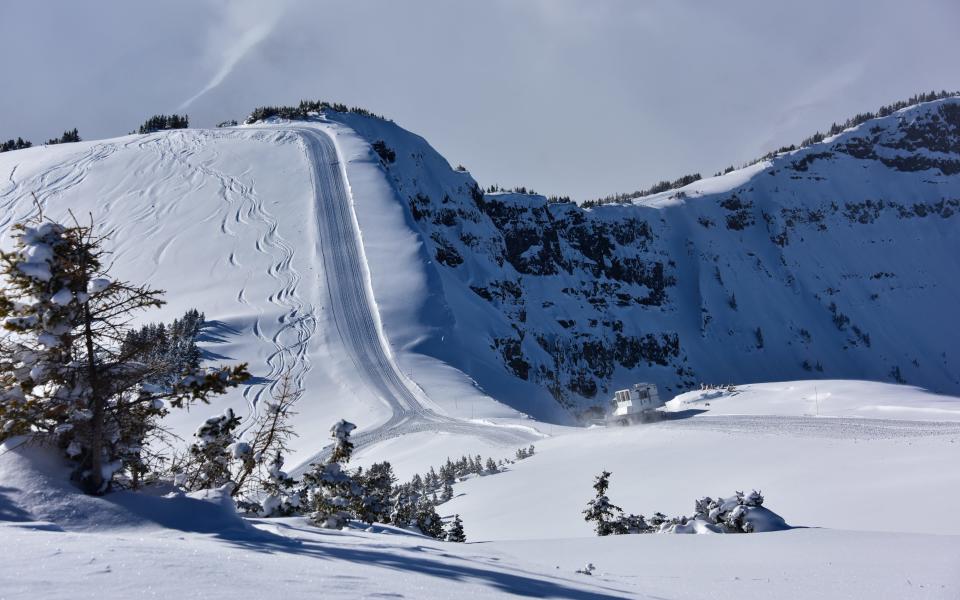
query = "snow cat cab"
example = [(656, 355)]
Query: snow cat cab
[(636, 404)]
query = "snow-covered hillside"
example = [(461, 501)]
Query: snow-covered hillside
[(257, 227), (440, 319), (836, 260)]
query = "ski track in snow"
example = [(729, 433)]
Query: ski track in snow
[(340, 251), (355, 314), (297, 323), (55, 180)]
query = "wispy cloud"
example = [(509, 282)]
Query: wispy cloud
[(244, 27)]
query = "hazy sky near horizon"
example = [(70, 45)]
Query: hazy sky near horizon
[(576, 97)]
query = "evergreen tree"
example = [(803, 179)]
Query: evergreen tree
[(447, 493), (403, 506), (282, 499), (161, 122), (67, 137), (271, 433), (491, 466), (428, 521), (332, 491), (62, 372), (213, 453), (374, 505), (17, 144), (455, 531), (170, 351), (606, 516)]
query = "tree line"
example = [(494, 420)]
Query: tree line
[(68, 136), (305, 109)]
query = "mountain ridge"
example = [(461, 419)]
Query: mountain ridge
[(671, 287)]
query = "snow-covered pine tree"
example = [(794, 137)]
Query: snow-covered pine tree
[(447, 493), (634, 524), (605, 516), (332, 491), (416, 484), (431, 479), (403, 506), (281, 498), (214, 453), (373, 505), (253, 466), (658, 519), (455, 530), (491, 466), (428, 521), (63, 373)]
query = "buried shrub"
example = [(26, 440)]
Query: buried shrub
[(740, 513)]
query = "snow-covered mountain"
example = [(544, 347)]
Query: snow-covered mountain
[(838, 260), (345, 252)]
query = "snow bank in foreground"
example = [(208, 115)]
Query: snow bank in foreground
[(35, 487)]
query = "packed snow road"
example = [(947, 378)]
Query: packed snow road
[(357, 321)]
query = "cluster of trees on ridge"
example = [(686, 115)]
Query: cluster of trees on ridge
[(305, 109)]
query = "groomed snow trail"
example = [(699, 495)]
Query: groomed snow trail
[(285, 313), (355, 314)]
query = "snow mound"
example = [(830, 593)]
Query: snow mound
[(36, 489)]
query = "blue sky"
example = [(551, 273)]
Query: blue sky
[(578, 97)]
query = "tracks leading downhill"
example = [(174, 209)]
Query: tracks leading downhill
[(355, 314)]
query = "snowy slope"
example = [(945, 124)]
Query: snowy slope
[(257, 228), (401, 298), (835, 261)]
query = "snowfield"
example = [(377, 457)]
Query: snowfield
[(298, 245), (868, 513)]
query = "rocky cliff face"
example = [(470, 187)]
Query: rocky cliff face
[(839, 260)]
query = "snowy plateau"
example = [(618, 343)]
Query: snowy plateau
[(818, 288)]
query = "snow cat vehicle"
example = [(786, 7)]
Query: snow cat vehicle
[(636, 404)]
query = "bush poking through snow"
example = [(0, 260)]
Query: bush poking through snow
[(736, 514)]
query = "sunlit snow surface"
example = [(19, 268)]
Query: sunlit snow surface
[(226, 221)]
